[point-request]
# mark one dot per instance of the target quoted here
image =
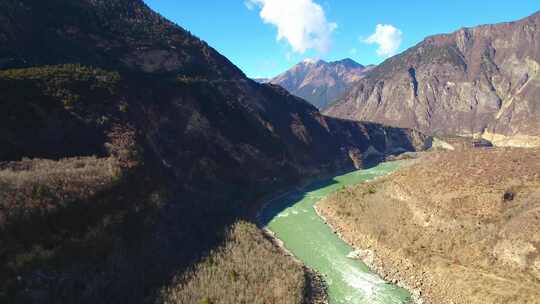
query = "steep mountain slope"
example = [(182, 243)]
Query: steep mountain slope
[(477, 81), (155, 144), (320, 82)]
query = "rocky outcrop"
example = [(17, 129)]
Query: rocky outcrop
[(482, 81), (320, 82)]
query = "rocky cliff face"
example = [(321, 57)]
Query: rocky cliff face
[(320, 82), (181, 143), (481, 81)]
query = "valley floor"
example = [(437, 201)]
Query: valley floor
[(456, 227)]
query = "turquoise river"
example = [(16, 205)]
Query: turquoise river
[(293, 220)]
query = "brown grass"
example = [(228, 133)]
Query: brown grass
[(247, 269), (46, 206), (41, 186), (464, 225)]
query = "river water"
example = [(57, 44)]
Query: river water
[(293, 220)]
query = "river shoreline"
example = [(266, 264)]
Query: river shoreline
[(317, 290), (369, 257), (374, 262), (317, 286), (457, 227)]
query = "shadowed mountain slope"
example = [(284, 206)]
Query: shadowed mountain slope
[(145, 144)]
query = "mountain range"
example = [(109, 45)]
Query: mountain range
[(128, 145), (481, 81), (320, 82)]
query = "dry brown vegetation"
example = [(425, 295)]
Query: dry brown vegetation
[(41, 186), (462, 227), (247, 269), (41, 203), (72, 213), (38, 201)]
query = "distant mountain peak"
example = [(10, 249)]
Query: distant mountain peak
[(348, 62), (312, 61), (320, 82)]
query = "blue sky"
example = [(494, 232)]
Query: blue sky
[(246, 31)]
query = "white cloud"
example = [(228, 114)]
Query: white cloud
[(302, 23), (388, 38)]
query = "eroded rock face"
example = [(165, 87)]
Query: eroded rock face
[(480, 81), (320, 82)]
